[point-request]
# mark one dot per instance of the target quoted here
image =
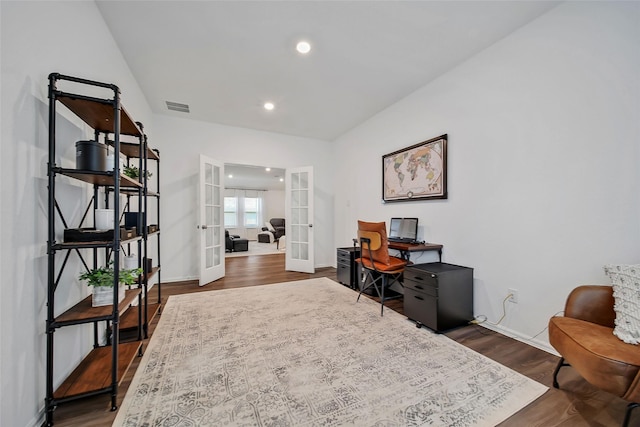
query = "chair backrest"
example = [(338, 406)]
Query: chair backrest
[(376, 232), (277, 222)]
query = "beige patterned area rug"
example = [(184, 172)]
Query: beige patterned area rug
[(306, 354)]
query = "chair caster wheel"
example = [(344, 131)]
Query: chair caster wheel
[(418, 325)]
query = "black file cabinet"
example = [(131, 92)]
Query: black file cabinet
[(438, 295), (347, 270)]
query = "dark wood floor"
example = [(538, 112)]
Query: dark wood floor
[(576, 404)]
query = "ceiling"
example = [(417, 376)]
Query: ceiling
[(225, 59)]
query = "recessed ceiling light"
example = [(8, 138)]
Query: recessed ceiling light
[(303, 47), (281, 179), (269, 106), (267, 169), (230, 176)]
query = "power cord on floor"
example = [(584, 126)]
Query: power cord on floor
[(545, 328), (483, 319)]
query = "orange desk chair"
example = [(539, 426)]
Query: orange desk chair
[(378, 267)]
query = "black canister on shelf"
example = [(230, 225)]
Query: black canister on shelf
[(91, 155)]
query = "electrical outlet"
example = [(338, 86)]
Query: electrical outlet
[(514, 295)]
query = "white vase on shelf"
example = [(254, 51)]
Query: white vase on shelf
[(130, 262), (104, 219)]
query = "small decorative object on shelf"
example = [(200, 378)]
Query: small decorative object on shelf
[(92, 235), (102, 281), (134, 173), (103, 295), (91, 156), (104, 219)]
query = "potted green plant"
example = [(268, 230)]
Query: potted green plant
[(101, 280), (134, 173)]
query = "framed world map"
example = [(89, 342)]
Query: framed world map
[(418, 172)]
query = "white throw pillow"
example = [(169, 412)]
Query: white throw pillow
[(269, 226), (625, 280)]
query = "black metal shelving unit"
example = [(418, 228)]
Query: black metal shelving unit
[(143, 154), (101, 371)]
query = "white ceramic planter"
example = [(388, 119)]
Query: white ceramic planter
[(104, 219), (103, 295), (130, 262)]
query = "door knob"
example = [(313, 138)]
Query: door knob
[(204, 227)]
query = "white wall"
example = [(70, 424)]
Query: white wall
[(39, 38), (274, 201), (181, 141), (544, 136)]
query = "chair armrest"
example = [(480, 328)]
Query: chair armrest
[(592, 303)]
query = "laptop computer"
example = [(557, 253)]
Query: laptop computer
[(403, 230)]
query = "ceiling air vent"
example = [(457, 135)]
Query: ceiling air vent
[(176, 106)]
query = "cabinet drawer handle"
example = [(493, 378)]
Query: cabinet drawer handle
[(417, 297), (418, 287), (418, 278)]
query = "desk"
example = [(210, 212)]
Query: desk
[(406, 248)]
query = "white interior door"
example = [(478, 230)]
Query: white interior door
[(211, 227), (299, 219)]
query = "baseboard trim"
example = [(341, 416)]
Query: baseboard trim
[(172, 280), (541, 345), (181, 282)]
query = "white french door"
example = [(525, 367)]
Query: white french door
[(211, 225), (299, 219)]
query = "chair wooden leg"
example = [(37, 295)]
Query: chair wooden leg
[(561, 363), (627, 416)]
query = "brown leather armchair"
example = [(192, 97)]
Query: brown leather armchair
[(584, 338)]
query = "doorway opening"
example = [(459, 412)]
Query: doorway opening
[(253, 196)]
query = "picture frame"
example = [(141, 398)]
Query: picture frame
[(418, 172)]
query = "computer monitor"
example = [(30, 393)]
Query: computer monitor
[(403, 230)]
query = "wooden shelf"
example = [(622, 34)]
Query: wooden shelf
[(134, 192), (84, 313), (98, 177), (98, 113), (129, 191), (154, 270), (129, 321), (133, 150), (94, 372), (90, 245)]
